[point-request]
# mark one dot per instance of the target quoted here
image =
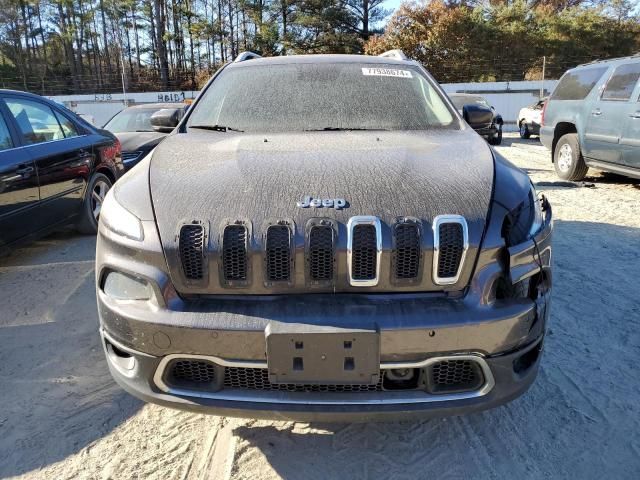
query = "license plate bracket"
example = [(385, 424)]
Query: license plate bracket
[(325, 356)]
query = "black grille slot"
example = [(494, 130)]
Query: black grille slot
[(449, 376), (234, 253), (321, 253), (278, 253), (258, 379), (192, 251), (193, 371), (407, 252), (450, 249), (364, 253)]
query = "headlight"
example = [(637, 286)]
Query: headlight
[(536, 222), (525, 221), (120, 220)]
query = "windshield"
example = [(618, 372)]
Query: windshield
[(321, 96), (461, 100), (132, 120)]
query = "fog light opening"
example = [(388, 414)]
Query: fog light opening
[(538, 286), (123, 360), (524, 362), (121, 286)]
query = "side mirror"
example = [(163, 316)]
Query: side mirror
[(477, 115), (165, 120)]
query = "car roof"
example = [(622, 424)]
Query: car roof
[(5, 91), (324, 58), (610, 61), (48, 101), (150, 106)]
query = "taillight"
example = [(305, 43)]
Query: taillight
[(544, 107), (112, 152)]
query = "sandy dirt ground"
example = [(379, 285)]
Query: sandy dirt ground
[(61, 415)]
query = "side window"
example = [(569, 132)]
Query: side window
[(36, 121), (621, 84), (68, 127), (577, 84), (5, 137)]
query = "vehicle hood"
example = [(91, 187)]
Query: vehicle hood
[(132, 141), (221, 177)]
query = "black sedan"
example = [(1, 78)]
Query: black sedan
[(55, 168), (135, 131), (480, 115)]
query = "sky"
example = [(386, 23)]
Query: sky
[(392, 4)]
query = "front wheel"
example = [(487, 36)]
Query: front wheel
[(567, 158), (497, 138), (97, 189), (524, 131)]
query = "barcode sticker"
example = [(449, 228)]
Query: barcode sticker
[(386, 72)]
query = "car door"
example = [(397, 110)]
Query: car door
[(19, 194), (61, 151), (630, 141), (607, 118)]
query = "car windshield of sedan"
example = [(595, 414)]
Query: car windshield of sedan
[(321, 96), (132, 120)]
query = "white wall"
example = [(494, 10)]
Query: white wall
[(102, 106), (507, 97)]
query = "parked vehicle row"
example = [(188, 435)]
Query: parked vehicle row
[(592, 119), (530, 119), (480, 115), (55, 168), (135, 129)]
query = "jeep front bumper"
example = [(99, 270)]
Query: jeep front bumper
[(501, 338)]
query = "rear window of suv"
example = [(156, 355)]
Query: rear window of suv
[(576, 84), (622, 83)]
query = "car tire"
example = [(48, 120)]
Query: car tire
[(568, 160), (524, 131), (97, 189), (497, 138)]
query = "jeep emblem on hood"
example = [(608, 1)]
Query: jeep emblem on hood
[(336, 203)]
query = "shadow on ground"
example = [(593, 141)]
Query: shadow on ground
[(56, 393), (508, 141)]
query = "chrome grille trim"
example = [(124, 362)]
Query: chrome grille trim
[(354, 222), (440, 220), (386, 397)]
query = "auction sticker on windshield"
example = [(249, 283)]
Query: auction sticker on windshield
[(387, 72)]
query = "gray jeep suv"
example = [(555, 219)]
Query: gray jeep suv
[(324, 238), (592, 119)]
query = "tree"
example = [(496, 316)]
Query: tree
[(504, 41), (366, 13)]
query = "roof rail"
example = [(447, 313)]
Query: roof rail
[(396, 54), (246, 56)]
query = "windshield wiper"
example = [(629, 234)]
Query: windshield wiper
[(217, 128), (341, 129)]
